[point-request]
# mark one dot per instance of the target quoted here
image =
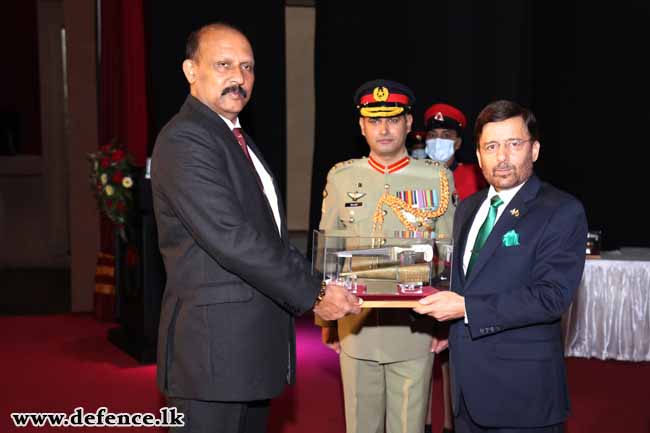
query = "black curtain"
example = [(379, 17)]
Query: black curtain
[(169, 24), (579, 66)]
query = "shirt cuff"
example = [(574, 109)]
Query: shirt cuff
[(466, 321)]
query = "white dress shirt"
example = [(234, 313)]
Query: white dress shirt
[(265, 177), (506, 195)]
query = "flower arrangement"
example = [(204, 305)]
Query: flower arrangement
[(111, 182)]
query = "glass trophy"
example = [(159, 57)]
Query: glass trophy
[(388, 268), (443, 256)]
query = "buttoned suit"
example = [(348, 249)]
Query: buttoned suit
[(234, 282), (507, 362)]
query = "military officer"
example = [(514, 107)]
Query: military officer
[(385, 354), (444, 124)]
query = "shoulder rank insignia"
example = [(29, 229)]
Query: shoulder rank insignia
[(340, 165)]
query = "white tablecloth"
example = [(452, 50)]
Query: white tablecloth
[(610, 316)]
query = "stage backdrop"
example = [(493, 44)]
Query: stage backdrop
[(577, 65), (169, 24)]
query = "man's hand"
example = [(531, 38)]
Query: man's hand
[(444, 305), (439, 345), (331, 338), (337, 302)]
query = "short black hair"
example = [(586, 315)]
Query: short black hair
[(501, 110), (194, 39)]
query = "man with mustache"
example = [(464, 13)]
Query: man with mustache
[(234, 283), (236, 89), (386, 354), (519, 253)]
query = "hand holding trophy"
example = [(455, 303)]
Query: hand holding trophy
[(335, 301)]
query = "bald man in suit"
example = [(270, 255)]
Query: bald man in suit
[(234, 282)]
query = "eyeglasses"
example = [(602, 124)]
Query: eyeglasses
[(512, 145)]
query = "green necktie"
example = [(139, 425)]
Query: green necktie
[(485, 230)]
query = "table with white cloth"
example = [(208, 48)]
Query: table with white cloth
[(610, 315)]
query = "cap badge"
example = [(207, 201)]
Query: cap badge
[(439, 117), (380, 94)]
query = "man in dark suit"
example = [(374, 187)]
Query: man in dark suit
[(226, 340), (518, 258)]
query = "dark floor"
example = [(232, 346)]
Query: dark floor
[(34, 291)]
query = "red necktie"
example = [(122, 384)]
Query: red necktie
[(242, 142), (244, 147)]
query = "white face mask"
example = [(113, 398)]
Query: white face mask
[(419, 154), (440, 149)]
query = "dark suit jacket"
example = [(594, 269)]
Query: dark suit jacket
[(233, 283), (508, 362)]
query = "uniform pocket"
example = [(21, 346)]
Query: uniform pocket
[(357, 218)]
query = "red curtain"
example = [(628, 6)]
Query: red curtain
[(123, 98), (134, 115), (123, 115)]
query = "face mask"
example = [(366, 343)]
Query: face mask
[(419, 154), (440, 149)]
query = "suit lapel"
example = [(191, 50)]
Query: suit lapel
[(459, 252), (235, 149), (283, 217), (508, 220), (222, 128)]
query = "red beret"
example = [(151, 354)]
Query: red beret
[(444, 116)]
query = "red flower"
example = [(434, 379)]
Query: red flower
[(109, 203), (105, 163), (117, 177), (120, 206), (105, 148), (117, 155)]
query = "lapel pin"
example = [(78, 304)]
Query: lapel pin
[(514, 212)]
